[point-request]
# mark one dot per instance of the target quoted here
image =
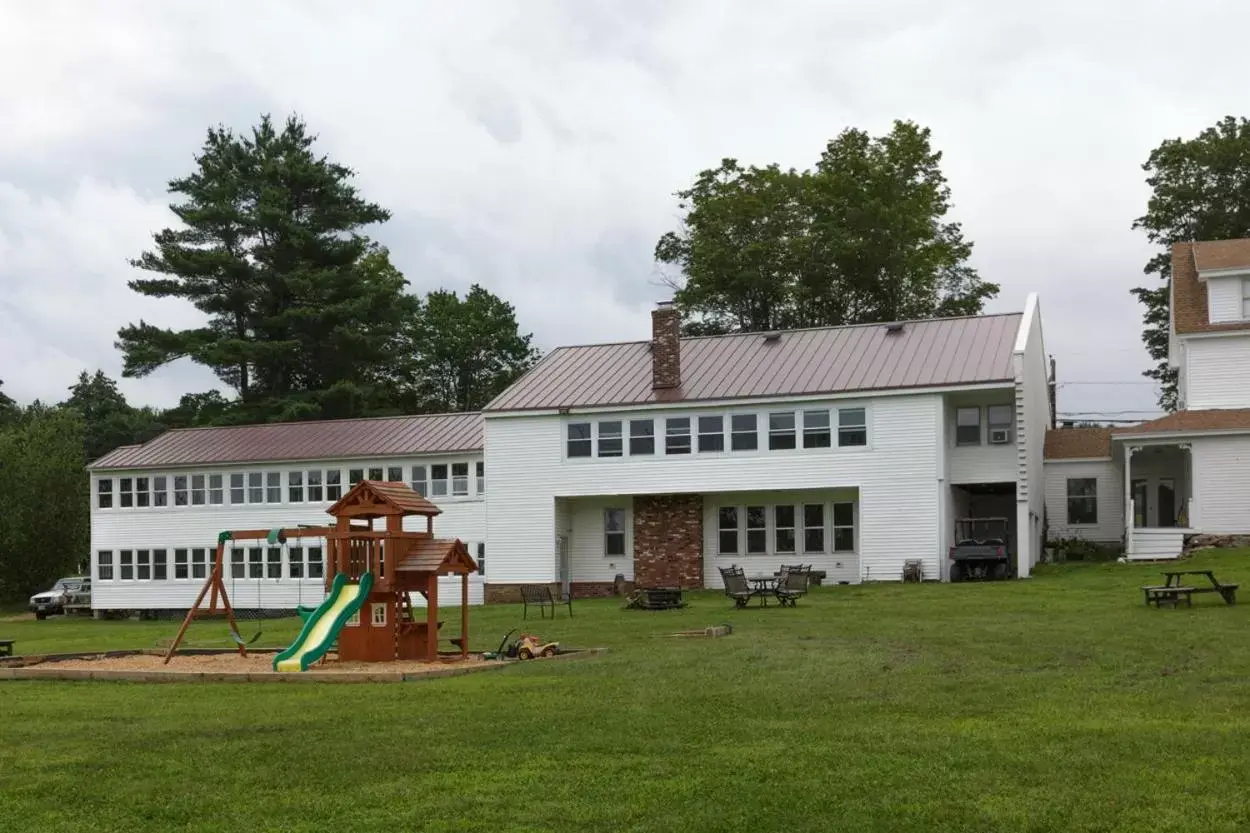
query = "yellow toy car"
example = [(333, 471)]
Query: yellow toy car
[(530, 646)]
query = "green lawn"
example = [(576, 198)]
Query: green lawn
[(1059, 703)]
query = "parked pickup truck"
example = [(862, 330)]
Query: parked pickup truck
[(67, 594)]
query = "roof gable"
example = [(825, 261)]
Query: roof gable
[(1190, 310), (438, 555), (378, 499), (928, 353)]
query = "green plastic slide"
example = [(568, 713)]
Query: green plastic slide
[(322, 628)]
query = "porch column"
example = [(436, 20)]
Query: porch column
[(1187, 504), (1128, 498)]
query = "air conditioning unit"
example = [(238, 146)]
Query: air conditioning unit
[(999, 436)]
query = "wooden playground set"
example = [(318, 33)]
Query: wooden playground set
[(367, 614)]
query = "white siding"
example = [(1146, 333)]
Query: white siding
[(1221, 469), (1224, 299), (586, 542), (1156, 544), (896, 475), (1032, 421), (1110, 477), (984, 462), (1218, 372), (191, 527)]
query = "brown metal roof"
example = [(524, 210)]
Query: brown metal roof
[(1190, 312), (324, 440), (1229, 419), (943, 351), (1077, 443)]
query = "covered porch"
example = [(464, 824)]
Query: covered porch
[(1158, 498)]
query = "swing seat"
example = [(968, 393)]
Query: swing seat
[(239, 640)]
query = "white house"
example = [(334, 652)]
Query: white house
[(1152, 485), (853, 449)]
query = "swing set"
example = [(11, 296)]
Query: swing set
[(215, 587)]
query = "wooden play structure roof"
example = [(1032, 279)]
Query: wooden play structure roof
[(440, 556), (379, 499)]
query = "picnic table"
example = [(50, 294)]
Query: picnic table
[(1172, 591)]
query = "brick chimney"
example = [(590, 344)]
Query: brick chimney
[(665, 346)]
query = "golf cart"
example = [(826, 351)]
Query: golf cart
[(982, 550)]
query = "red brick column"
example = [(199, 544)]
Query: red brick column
[(668, 541)]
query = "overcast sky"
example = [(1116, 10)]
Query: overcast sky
[(534, 147)]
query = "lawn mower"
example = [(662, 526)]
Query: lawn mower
[(527, 646)]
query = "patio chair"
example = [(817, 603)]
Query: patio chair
[(792, 586), (736, 586)]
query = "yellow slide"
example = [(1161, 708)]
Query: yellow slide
[(323, 627)]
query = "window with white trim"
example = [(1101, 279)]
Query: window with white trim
[(160, 565), (126, 565), (255, 487), (143, 491), (236, 488), (199, 491), (744, 432), (1082, 500), (814, 527), (314, 489), (610, 442), (418, 481), (214, 489), (757, 530), (677, 435), (126, 492), (711, 433), (375, 474), (727, 530), (104, 565), (844, 526), (439, 480), (316, 566), (459, 479), (255, 562), (143, 565), (998, 420), (295, 562), (394, 474), (579, 442), (104, 493), (1245, 298), (641, 437), (238, 567), (273, 487), (968, 426), (273, 562), (181, 496), (181, 564), (199, 562), (480, 472), (816, 429), (378, 614), (781, 431), (353, 621), (160, 490), (783, 529), (295, 486), (852, 427), (481, 558), (334, 484), (354, 476), (613, 532)]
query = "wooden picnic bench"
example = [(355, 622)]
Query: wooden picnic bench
[(1228, 592), (1169, 594), (6, 647), (540, 595)]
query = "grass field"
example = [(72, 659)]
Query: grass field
[(1060, 703)]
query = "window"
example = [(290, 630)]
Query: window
[(852, 427), (418, 481), (816, 429), (727, 530), (613, 532), (438, 480), (844, 527), (394, 474), (214, 489), (610, 444), (255, 562), (1082, 500), (316, 567), (160, 565), (998, 419), (236, 488), (104, 492), (641, 437), (334, 484), (160, 491), (295, 562), (481, 559), (273, 487), (744, 433), (104, 565), (143, 565), (273, 562), (967, 426), (353, 621), (181, 497), (378, 614), (375, 474), (480, 471), (677, 435), (236, 564), (579, 439), (711, 433), (460, 479), (783, 529), (126, 492), (198, 495), (126, 565), (315, 492), (1245, 298), (295, 486), (354, 476), (255, 487), (814, 527), (180, 564), (199, 563), (143, 491), (781, 431), (757, 530)]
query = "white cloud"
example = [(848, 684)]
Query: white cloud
[(534, 147)]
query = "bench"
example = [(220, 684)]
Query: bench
[(1161, 594), (6, 647), (540, 595)]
